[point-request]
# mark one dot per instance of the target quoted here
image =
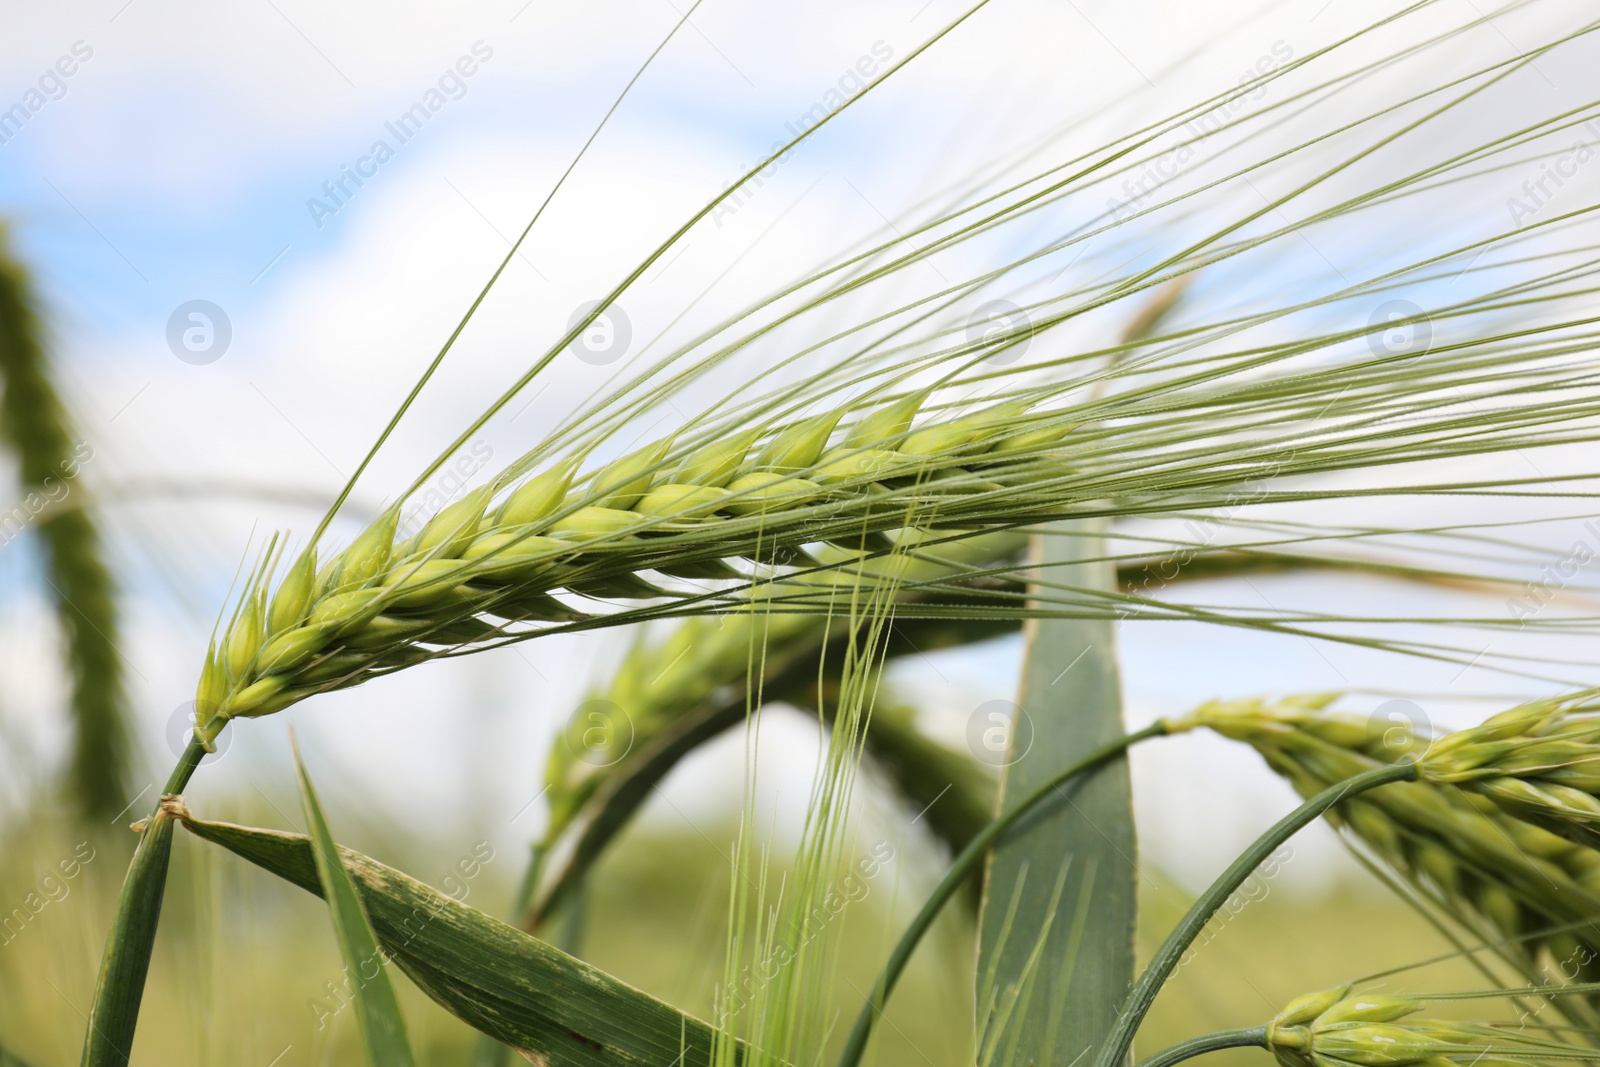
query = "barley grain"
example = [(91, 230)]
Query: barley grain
[(478, 574)]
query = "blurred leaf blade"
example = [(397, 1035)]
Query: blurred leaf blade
[(383, 1028), (11, 1059), (515, 988), (1049, 978)]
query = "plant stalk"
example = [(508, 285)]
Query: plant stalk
[(1172, 949), (126, 964), (960, 870), (1252, 1036)]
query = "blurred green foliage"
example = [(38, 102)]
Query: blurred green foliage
[(246, 966)]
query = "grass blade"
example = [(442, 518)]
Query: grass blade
[(382, 1027), (545, 1004), (1069, 859), (11, 1059)]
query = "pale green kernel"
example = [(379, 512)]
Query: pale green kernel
[(761, 492), (620, 484), (449, 533), (292, 648), (344, 611), (244, 638), (846, 465), (887, 424), (798, 447), (538, 497), (682, 501), (593, 522), (368, 556), (294, 595), (1304, 1008), (716, 464)]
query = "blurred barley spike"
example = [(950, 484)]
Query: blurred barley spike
[(708, 674), (703, 659), (35, 425), (1527, 892)]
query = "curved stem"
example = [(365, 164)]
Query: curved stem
[(1198, 1046), (1172, 949), (960, 869), (185, 769)]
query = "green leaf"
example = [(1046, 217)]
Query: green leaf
[(377, 1009), (1057, 921), (553, 1009)]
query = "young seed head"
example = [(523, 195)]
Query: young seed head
[(470, 580), (1533, 762), (1363, 1030), (1460, 847)]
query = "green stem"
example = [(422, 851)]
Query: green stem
[(185, 769), (115, 1013), (1253, 1036), (1172, 949), (960, 870)]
